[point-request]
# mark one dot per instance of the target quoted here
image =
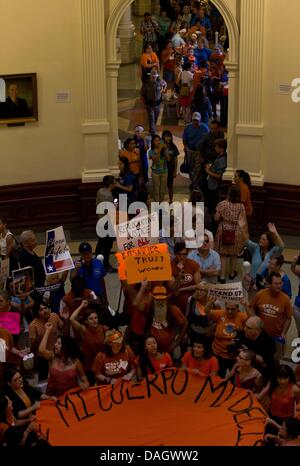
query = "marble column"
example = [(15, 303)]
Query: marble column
[(126, 35), (250, 127), (112, 111), (232, 162), (95, 125)]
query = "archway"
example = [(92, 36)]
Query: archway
[(232, 65)]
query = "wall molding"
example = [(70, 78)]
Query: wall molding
[(72, 204)]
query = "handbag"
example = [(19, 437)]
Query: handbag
[(228, 237), (185, 167), (184, 90)]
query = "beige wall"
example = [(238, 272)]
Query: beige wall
[(43, 36), (281, 144)]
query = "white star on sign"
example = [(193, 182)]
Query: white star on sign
[(50, 268)]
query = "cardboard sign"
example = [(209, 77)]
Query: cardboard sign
[(154, 412), (57, 256), (150, 263), (3, 349), (137, 232), (230, 292), (10, 321), (23, 280)]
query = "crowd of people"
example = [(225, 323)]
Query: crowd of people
[(70, 337)]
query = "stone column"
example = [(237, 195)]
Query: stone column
[(112, 112), (250, 127), (126, 35), (233, 76), (95, 126)]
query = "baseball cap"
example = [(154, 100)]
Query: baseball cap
[(159, 292), (113, 336), (85, 247), (196, 116)]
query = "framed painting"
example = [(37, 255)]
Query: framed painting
[(18, 98)]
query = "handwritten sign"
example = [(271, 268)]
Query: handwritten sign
[(150, 263), (218, 414), (139, 231), (232, 292), (10, 321), (57, 255)]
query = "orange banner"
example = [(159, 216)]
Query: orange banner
[(174, 407), (150, 263)]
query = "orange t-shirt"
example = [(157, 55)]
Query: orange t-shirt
[(133, 158), (226, 330), (159, 364), (145, 58), (206, 366), (37, 330), (246, 199), (274, 310), (190, 268), (93, 342), (116, 365), (165, 335)]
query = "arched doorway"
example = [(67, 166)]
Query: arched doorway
[(113, 62)]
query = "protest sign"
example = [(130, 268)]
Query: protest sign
[(4, 273), (2, 350), (10, 321), (23, 280), (218, 413), (150, 263), (232, 292), (137, 232), (57, 255)]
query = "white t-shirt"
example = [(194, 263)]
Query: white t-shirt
[(3, 245)]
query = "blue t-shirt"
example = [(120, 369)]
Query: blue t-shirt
[(202, 56), (258, 265), (93, 274), (193, 137)]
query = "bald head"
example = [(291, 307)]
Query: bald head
[(253, 327)]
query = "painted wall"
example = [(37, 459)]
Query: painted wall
[(281, 144), (43, 37)]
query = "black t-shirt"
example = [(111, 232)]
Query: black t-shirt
[(32, 260), (263, 346)]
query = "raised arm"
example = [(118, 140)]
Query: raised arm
[(73, 319), (43, 345), (277, 238)]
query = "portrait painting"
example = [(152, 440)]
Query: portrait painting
[(18, 98)]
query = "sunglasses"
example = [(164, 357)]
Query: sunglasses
[(206, 241)]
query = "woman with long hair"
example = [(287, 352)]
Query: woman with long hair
[(200, 359), (230, 214), (270, 244), (243, 181), (201, 103), (85, 322), (283, 393), (65, 367), (151, 359), (171, 152), (25, 398), (159, 168)]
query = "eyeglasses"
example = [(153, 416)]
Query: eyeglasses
[(250, 328), (206, 241)]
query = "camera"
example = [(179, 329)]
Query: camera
[(236, 345)]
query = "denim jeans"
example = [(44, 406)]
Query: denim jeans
[(153, 113)]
